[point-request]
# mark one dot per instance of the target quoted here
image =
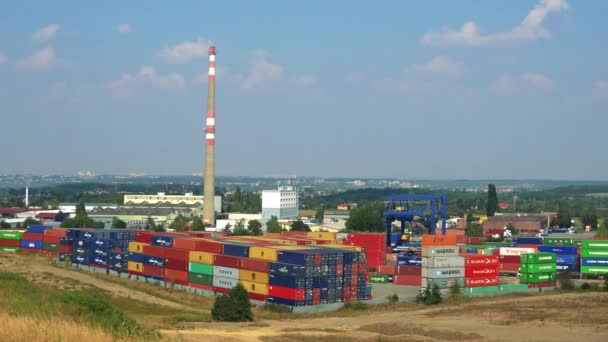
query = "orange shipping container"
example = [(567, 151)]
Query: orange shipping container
[(201, 257), (252, 276), (438, 240), (255, 287)]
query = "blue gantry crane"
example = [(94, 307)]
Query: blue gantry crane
[(404, 208)]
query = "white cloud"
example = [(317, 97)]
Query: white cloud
[(3, 59), (185, 51), (529, 29), (261, 71), (539, 80), (303, 81), (42, 59), (147, 75), (600, 88), (440, 66), (46, 33), (123, 28)]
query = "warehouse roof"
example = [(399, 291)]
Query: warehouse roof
[(515, 217), (137, 210)]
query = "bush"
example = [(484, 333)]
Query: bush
[(565, 281), (235, 307), (605, 283), (585, 286), (455, 290), (430, 295), (358, 306), (276, 308), (393, 299), (435, 295)]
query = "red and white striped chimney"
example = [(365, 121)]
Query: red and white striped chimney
[(209, 181)]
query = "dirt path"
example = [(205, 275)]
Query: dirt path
[(504, 319), (24, 265)]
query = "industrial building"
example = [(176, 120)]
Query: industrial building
[(526, 224), (137, 216), (282, 203), (173, 200)]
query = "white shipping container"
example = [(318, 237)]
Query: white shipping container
[(438, 262), (440, 251), (516, 250), (226, 283), (447, 272), (226, 272), (442, 283)]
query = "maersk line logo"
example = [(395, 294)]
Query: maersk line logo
[(448, 272)]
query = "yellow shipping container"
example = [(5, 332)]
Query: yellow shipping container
[(263, 253), (257, 277), (137, 247), (345, 247), (201, 257), (135, 266), (258, 288), (321, 235), (290, 248)]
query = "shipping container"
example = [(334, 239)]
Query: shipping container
[(479, 260), (176, 254), (443, 262), (199, 278), (594, 253), (286, 292), (594, 261), (263, 253), (10, 235), (154, 271), (10, 243), (594, 269), (451, 272), (511, 251), (566, 259), (537, 268), (378, 278), (239, 251), (254, 287), (283, 269), (200, 268), (38, 229), (175, 276), (595, 244), (175, 264), (567, 268), (552, 241), (559, 250), (32, 244), (481, 271), (440, 251), (227, 261), (412, 280), (135, 266), (529, 241), (257, 277), (162, 240), (537, 277), (225, 283), (538, 258), (438, 240), (409, 270), (481, 281), (442, 283), (201, 257), (255, 265), (543, 284), (226, 272)]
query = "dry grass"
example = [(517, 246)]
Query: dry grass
[(39, 330), (408, 330)]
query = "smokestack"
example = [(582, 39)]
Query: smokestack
[(209, 176), (27, 196)]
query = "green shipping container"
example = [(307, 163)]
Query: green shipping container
[(9, 249), (51, 246), (538, 258), (198, 278), (537, 277), (594, 269), (537, 268), (512, 287), (558, 241), (595, 244), (482, 289), (378, 278), (594, 253), (9, 235), (196, 267)]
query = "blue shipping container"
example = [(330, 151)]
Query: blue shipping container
[(567, 268), (31, 244), (529, 241), (240, 251), (279, 268), (296, 257), (595, 261), (283, 301), (37, 229), (287, 281), (571, 250), (154, 261), (101, 261), (162, 240), (102, 243), (136, 257), (81, 259), (566, 259)]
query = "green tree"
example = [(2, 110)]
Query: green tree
[(82, 219), (589, 218), (365, 218), (320, 215), (197, 224), (118, 223), (239, 228), (473, 229), (512, 228), (602, 231), (55, 203), (492, 204), (30, 222), (564, 220), (150, 224), (234, 307), (179, 223), (255, 228), (81, 209), (227, 228), (299, 226), (273, 226)]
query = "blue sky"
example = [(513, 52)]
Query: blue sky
[(434, 89)]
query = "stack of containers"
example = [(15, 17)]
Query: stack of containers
[(594, 255), (509, 257), (529, 242), (32, 239), (10, 241), (441, 263), (566, 253), (481, 271), (93, 248), (538, 269), (51, 240), (373, 245)]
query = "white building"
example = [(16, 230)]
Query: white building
[(176, 200), (282, 203)]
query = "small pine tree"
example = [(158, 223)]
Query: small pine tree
[(455, 290), (435, 294), (235, 307)]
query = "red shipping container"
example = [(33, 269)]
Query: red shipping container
[(479, 260), (483, 281), (505, 266), (316, 302), (32, 236), (287, 292), (385, 269), (31, 250), (10, 243), (481, 271), (68, 249), (221, 290), (135, 273), (175, 264), (175, 276), (412, 280), (156, 251), (186, 243), (475, 240), (153, 271), (545, 284), (409, 270), (201, 286), (49, 252), (227, 261), (177, 254), (255, 265), (55, 233), (98, 266), (143, 237), (52, 239), (438, 240), (258, 297), (528, 246), (510, 259), (209, 246)]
